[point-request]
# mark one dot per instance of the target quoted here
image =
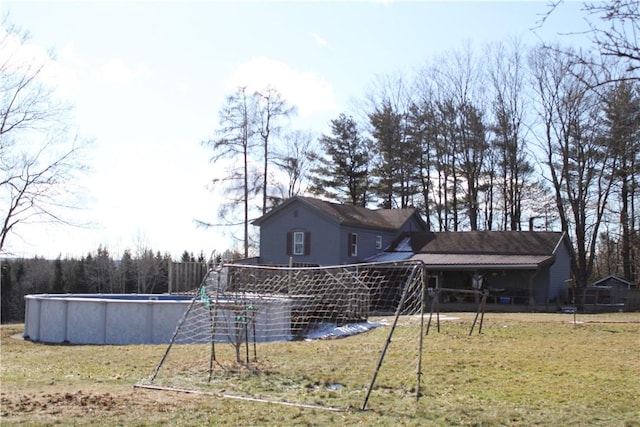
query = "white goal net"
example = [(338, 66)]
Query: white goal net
[(319, 336)]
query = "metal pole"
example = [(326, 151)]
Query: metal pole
[(388, 341), (175, 333), (480, 308), (253, 324), (436, 293), (246, 335), (424, 293), (212, 355), (438, 314), (485, 295)]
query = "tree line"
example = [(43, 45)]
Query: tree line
[(144, 272), (512, 137)]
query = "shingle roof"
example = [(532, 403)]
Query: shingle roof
[(484, 242), (388, 219), (477, 249)]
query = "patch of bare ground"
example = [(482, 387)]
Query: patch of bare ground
[(53, 405), (56, 403)]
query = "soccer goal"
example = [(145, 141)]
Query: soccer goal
[(327, 337)]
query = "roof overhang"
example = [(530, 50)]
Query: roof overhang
[(390, 257), (482, 261)]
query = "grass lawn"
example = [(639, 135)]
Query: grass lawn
[(524, 369)]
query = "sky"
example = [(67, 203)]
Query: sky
[(148, 78)]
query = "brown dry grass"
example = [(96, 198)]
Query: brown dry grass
[(525, 369)]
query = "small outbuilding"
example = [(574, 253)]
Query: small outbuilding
[(609, 293)]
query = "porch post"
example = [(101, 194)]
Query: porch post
[(531, 301)]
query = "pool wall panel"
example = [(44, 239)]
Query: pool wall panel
[(127, 323), (53, 320), (165, 318), (85, 321), (148, 319), (32, 319)]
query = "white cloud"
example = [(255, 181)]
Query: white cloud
[(116, 72), (319, 40), (22, 56), (307, 90), (68, 54)]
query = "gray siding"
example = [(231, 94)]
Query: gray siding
[(559, 273), (367, 240), (329, 238), (541, 286), (366, 243), (324, 233)]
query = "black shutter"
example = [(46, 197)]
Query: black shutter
[(289, 243), (307, 243)]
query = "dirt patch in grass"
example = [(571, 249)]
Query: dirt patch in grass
[(56, 403), (118, 406), (524, 369)]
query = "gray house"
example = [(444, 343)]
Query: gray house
[(517, 267), (309, 231)]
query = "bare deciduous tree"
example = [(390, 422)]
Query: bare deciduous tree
[(295, 162), (271, 110), (39, 160), (457, 96), (507, 72), (614, 31), (578, 161), (234, 142), (619, 37)]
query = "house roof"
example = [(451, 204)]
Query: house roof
[(482, 242), (476, 261), (480, 249), (357, 216)]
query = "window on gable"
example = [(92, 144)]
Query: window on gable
[(298, 243), (353, 244), (378, 242)]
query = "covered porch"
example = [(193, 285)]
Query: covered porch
[(513, 282)]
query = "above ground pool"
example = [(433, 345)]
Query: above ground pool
[(130, 318)]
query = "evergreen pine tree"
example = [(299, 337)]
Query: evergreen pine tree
[(344, 174)]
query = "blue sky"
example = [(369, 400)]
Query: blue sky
[(147, 80)]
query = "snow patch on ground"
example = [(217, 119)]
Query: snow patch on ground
[(331, 330)]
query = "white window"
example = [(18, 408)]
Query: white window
[(298, 243), (378, 242), (353, 244)]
